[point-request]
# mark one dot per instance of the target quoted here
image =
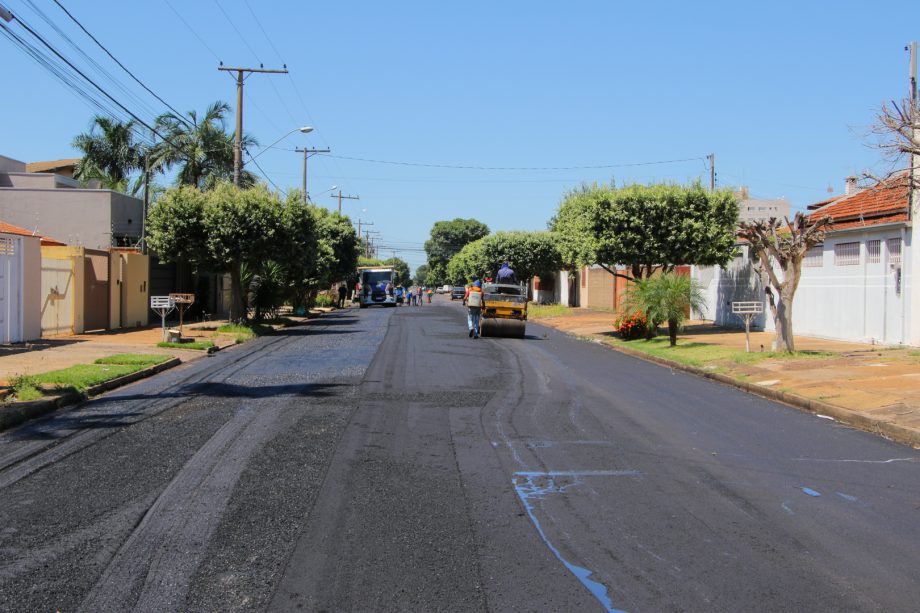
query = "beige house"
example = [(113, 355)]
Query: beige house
[(56, 205)]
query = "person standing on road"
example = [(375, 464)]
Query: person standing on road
[(343, 290), (473, 301)]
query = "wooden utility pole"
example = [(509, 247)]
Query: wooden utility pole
[(238, 139), (306, 153), (340, 197), (712, 171)]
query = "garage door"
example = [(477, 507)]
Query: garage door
[(10, 290)]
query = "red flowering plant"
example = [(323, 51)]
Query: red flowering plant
[(631, 325)]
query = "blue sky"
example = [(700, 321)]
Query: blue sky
[(781, 92)]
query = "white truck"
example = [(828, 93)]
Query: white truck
[(376, 286)]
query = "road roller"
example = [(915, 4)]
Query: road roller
[(504, 310)]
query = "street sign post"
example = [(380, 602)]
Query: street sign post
[(182, 301), (163, 306), (747, 311)]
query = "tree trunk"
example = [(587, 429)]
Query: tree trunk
[(237, 307), (672, 331)]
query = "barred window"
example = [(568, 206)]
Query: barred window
[(873, 252), (7, 246), (846, 254), (894, 250), (814, 257)]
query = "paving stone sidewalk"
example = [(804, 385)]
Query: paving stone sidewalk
[(881, 383), (63, 351)]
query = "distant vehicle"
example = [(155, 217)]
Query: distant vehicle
[(377, 283), (444, 289), (458, 292)]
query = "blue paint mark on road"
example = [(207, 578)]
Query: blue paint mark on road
[(811, 492), (848, 497), (528, 490)]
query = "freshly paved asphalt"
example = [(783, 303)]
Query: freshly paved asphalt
[(382, 460)]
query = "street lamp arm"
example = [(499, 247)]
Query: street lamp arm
[(304, 129)]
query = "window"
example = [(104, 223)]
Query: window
[(873, 252), (814, 257), (894, 250), (846, 254), (7, 246)]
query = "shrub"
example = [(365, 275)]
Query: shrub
[(324, 300), (631, 326)]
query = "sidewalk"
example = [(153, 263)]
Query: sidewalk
[(880, 384), (58, 352)]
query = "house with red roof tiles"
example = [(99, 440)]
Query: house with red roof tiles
[(20, 284), (855, 286)]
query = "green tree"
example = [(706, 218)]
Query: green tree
[(401, 267), (421, 275), (667, 297), (220, 230), (446, 240), (647, 228), (528, 253), (202, 150), (111, 153), (297, 249), (780, 249), (337, 250)]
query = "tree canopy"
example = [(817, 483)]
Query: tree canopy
[(528, 253), (111, 153), (202, 147), (646, 227), (446, 240)]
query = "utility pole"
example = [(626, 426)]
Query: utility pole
[(712, 171), (238, 139), (366, 223), (340, 197), (367, 243), (306, 153)]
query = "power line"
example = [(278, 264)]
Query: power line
[(89, 80), (122, 66), (543, 168), (192, 30)]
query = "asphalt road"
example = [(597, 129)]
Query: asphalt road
[(382, 460)]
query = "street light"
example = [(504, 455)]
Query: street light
[(302, 130)]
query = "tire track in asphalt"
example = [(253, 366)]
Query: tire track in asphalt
[(169, 542), (34, 455)]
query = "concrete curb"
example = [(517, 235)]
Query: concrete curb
[(894, 432), (15, 413)]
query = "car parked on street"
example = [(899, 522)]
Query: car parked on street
[(458, 292)]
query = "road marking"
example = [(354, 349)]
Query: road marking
[(528, 491)]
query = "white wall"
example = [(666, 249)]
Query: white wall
[(862, 302)]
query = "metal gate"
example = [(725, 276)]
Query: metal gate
[(96, 290), (10, 290), (57, 295)]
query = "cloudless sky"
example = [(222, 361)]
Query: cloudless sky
[(782, 92)]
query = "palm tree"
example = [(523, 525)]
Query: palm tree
[(110, 153), (202, 148), (667, 297)]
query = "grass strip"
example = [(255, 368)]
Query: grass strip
[(538, 311), (143, 359), (244, 333), (701, 355), (200, 345), (79, 377)]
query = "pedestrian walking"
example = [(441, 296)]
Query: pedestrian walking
[(473, 301), (343, 290)]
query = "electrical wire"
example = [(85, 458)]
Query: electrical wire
[(122, 66), (513, 168)]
